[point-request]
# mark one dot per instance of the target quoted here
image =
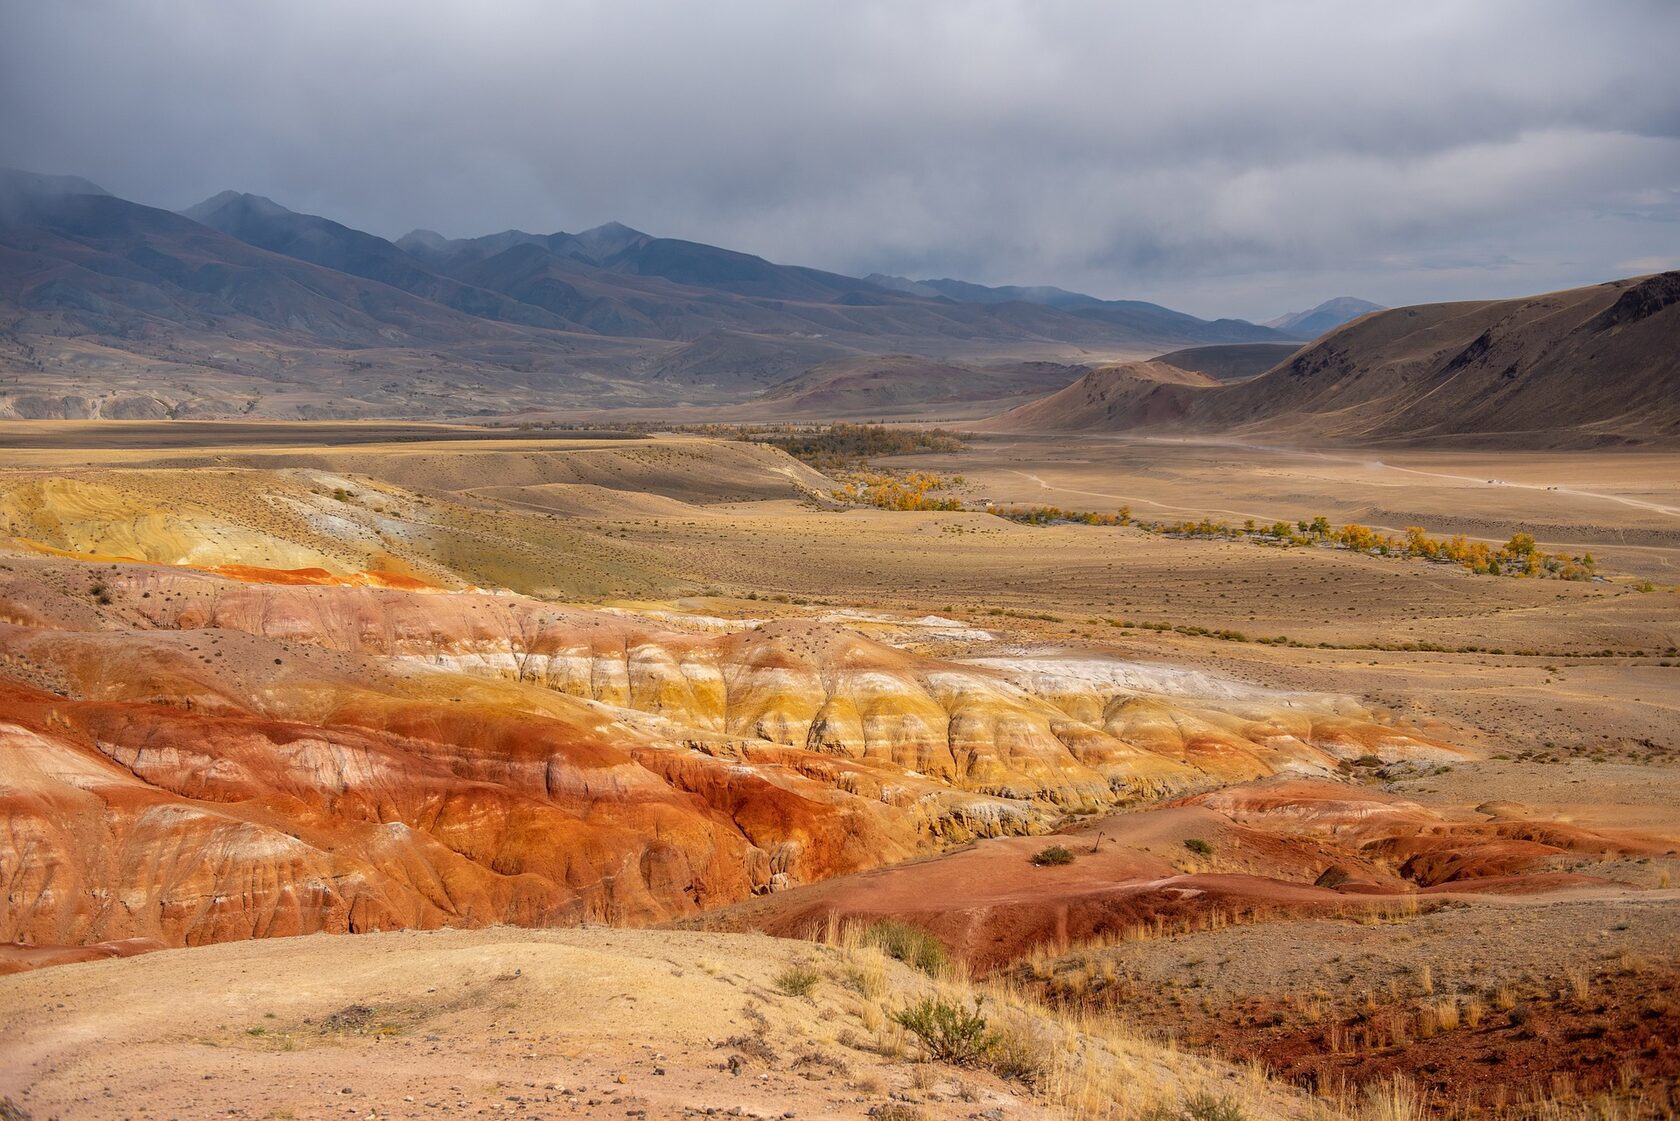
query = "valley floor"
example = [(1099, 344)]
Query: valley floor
[(675, 674)]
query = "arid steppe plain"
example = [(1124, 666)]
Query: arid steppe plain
[(1332, 817)]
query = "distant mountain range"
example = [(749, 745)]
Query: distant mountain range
[(240, 306), (1587, 367), (1325, 317)]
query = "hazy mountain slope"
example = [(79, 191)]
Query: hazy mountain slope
[(706, 266), (23, 192), (241, 306), (100, 263), (1327, 316), (592, 245), (1129, 395), (268, 225), (737, 360), (1142, 317), (964, 292), (109, 308), (619, 281), (1230, 361)]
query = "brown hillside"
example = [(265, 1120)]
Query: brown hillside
[(1127, 395), (1584, 367)]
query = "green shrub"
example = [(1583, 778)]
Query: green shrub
[(1197, 1107), (797, 980), (950, 1032), (1199, 846), (1055, 854), (909, 944), (1208, 1107)]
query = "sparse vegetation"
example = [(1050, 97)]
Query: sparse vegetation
[(1197, 1107), (797, 980), (909, 944), (915, 491), (1199, 846), (829, 447), (1055, 854), (950, 1032), (1519, 556)]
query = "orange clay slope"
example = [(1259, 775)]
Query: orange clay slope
[(199, 759)]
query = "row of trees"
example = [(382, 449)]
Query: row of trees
[(1519, 556), (835, 446)]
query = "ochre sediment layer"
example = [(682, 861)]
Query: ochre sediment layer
[(204, 758)]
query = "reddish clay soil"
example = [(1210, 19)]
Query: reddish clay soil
[(1275, 849), (15, 958), (1627, 1031), (1481, 1007)]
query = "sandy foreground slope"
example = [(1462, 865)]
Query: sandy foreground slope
[(529, 1024)]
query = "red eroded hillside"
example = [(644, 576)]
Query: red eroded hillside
[(199, 759)]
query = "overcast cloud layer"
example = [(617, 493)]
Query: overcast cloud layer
[(1228, 159)]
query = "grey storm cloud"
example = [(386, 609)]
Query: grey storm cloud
[(1227, 158)]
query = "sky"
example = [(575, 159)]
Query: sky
[(1240, 159)]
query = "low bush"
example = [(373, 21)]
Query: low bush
[(1198, 1107), (950, 1032), (1199, 846), (1055, 854), (909, 944)]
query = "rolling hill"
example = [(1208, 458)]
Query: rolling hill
[(883, 386), (1229, 361), (1583, 367), (1111, 398)]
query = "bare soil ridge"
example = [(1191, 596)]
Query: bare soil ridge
[(1587, 367)]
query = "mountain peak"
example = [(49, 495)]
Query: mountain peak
[(608, 238), (224, 200), (22, 191), (16, 180), (612, 229), (1315, 321), (425, 239)]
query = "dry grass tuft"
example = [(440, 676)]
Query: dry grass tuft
[(797, 980), (1073, 1061)]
